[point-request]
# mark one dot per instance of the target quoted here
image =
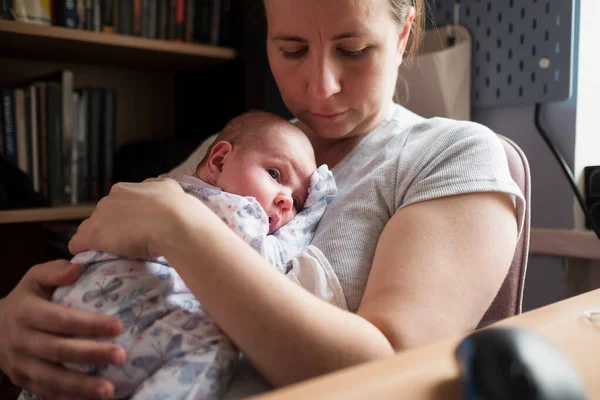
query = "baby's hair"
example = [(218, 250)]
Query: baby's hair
[(248, 130)]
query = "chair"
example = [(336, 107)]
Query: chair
[(509, 300)]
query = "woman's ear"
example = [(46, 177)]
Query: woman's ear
[(404, 34), (217, 158)]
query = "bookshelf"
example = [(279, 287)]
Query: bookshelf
[(143, 72), (62, 213), (43, 42)]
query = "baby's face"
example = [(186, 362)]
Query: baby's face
[(277, 174)]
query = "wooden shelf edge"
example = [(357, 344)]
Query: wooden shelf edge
[(10, 31), (565, 243), (63, 213)]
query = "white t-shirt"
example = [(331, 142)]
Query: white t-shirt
[(406, 159)]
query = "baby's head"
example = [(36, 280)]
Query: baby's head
[(264, 156)]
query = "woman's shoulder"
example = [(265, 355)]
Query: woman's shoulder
[(441, 131)]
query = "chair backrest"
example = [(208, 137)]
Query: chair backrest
[(509, 300)]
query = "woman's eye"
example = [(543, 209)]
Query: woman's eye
[(274, 174), (294, 54), (355, 54)]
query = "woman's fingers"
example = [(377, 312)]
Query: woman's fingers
[(70, 350), (128, 220), (52, 273), (42, 315), (78, 242), (51, 381)]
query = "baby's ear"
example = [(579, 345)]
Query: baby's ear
[(217, 158)]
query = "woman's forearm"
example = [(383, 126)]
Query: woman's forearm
[(288, 333)]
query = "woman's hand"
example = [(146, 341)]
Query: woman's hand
[(35, 331), (132, 219)]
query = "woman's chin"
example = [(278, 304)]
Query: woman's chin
[(330, 128)]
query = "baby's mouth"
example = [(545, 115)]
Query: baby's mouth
[(273, 221)]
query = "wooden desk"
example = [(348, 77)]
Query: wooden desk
[(431, 372)]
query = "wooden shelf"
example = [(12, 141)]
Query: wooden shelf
[(65, 213), (43, 42), (565, 243)]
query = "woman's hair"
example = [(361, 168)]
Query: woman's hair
[(399, 10)]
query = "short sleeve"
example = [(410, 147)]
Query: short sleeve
[(444, 158)]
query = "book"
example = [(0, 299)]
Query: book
[(33, 11), (7, 119)]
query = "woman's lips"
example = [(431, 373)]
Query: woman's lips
[(328, 116)]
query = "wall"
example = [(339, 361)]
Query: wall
[(587, 143), (552, 200)]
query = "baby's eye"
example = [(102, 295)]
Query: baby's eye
[(274, 174), (295, 203)]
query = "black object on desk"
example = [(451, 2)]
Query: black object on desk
[(510, 363)]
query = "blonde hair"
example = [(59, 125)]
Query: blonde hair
[(400, 9)]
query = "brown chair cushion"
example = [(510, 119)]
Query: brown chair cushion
[(509, 300)]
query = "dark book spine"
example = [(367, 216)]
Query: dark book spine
[(189, 20), (163, 18), (97, 15), (83, 105), (225, 38), (66, 13), (88, 23), (42, 89), (8, 124), (145, 19), (28, 132), (54, 145), (6, 10), (107, 16), (172, 19), (153, 22), (206, 20), (32, 117), (180, 21), (110, 133), (95, 121), (215, 25), (138, 10), (1, 135), (126, 17), (67, 133)]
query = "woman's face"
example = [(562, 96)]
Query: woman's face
[(335, 61)]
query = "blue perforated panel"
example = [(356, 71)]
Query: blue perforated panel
[(522, 49)]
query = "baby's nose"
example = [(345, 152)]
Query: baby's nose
[(284, 202)]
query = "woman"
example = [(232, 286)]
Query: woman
[(421, 234)]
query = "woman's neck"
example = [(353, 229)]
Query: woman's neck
[(332, 151)]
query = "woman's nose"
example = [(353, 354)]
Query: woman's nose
[(323, 81)]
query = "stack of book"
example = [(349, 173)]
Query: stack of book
[(62, 138), (196, 21)]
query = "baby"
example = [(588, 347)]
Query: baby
[(261, 178)]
